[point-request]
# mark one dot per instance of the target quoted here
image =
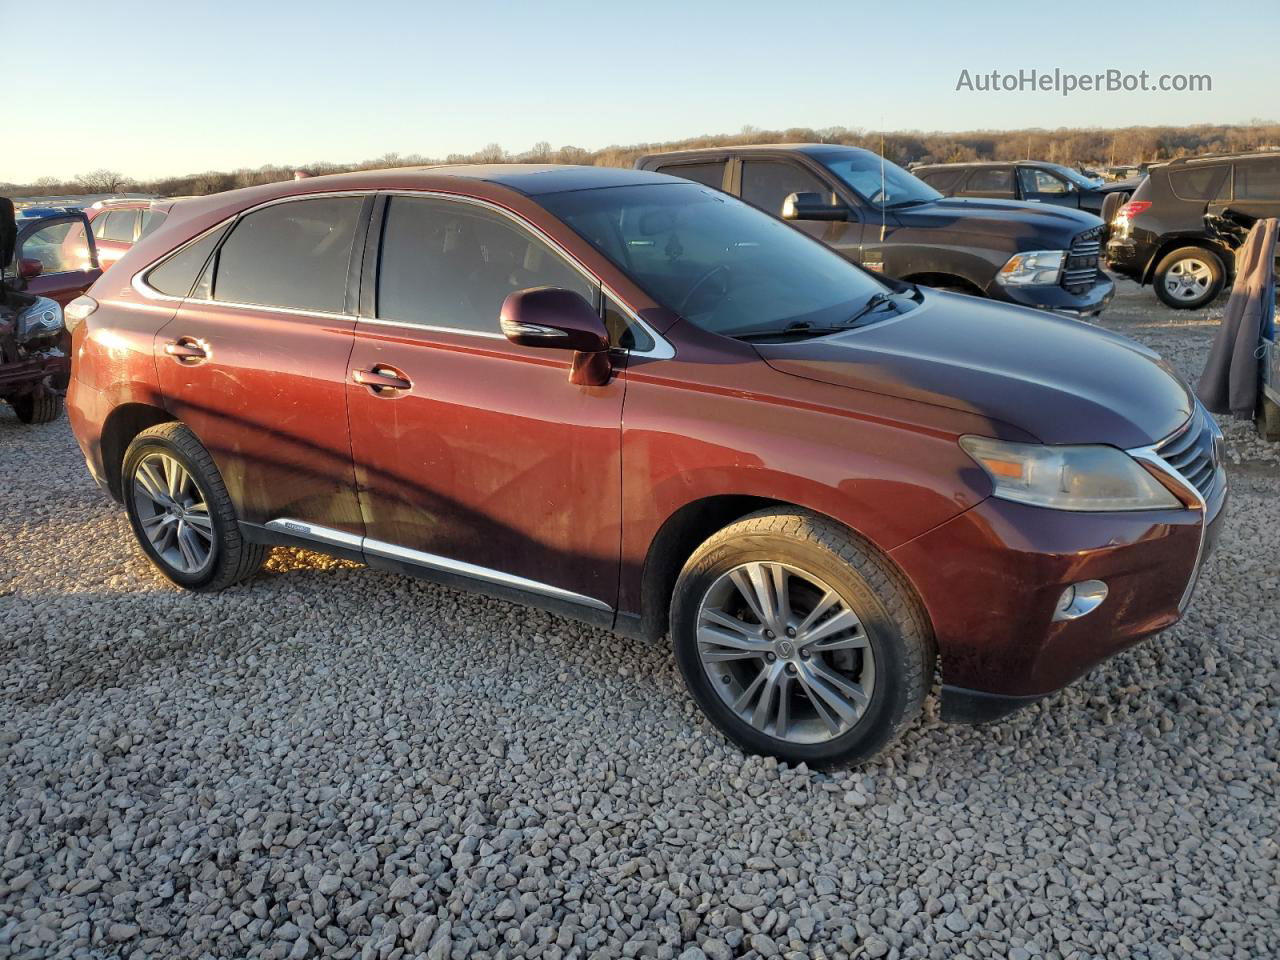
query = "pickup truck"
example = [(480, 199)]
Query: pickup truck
[(879, 216)]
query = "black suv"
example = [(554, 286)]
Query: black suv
[(1181, 227), (877, 215), (1030, 180)]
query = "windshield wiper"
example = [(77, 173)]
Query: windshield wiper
[(798, 329), (877, 301)]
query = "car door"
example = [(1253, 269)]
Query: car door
[(254, 361), (993, 183), (65, 249), (1040, 186), (766, 182), (477, 458)]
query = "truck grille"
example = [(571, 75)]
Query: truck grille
[(1081, 270), (1191, 452)]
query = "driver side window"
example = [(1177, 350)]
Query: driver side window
[(1040, 181), (766, 184), (450, 264)]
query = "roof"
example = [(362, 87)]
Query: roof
[(1242, 155), (812, 149), (533, 179)]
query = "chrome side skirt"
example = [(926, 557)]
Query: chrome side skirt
[(429, 561)]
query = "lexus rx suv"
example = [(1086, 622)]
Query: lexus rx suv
[(119, 224), (642, 403)]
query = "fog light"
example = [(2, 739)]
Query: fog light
[(1079, 599)]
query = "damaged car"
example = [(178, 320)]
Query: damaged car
[(44, 263)]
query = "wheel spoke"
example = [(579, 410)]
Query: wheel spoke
[(199, 522), (829, 599), (152, 486), (178, 478), (750, 692), (849, 691), (764, 704), (745, 582), (844, 620), (186, 547), (763, 586)]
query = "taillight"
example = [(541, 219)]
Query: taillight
[(78, 311), (1132, 209)]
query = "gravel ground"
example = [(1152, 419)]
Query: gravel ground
[(332, 761)]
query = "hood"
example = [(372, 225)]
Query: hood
[(1058, 379), (1033, 224), (1115, 186)]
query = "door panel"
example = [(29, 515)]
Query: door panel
[(490, 458), (268, 401)]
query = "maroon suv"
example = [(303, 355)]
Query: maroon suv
[(639, 402)]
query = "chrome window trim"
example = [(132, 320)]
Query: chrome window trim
[(431, 561), (662, 349), (1149, 454)]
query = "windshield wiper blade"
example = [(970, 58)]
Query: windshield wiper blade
[(877, 301), (801, 328)]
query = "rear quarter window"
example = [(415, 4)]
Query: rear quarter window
[(1258, 180), (1197, 183), (944, 181), (710, 174), (175, 276)]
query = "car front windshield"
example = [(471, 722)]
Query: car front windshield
[(1075, 176), (714, 260), (881, 183)]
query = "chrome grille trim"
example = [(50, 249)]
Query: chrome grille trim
[(1080, 271)]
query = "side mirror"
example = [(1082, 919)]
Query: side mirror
[(562, 320), (812, 206), (29, 268)]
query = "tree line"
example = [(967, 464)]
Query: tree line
[(1076, 147)]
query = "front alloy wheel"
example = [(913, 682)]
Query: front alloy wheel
[(785, 652)]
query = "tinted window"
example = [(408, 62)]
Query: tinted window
[(60, 247), (451, 264), (1040, 181), (293, 255), (1258, 180), (879, 182), (176, 275), (713, 260), (99, 225), (711, 174), (942, 180), (120, 225), (1197, 183), (151, 219), (767, 183), (990, 180)]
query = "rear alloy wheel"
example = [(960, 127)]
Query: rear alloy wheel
[(1189, 278), (797, 639), (181, 513)]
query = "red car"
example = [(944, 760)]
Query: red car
[(119, 224), (642, 403)]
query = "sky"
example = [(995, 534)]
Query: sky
[(182, 87)]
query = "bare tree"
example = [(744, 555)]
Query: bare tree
[(103, 181)]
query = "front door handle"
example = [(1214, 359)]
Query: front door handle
[(383, 380), (187, 350)]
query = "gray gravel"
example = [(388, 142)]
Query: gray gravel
[(333, 761)]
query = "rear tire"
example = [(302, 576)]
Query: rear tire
[(847, 692), (181, 513), (42, 409), (1189, 278)]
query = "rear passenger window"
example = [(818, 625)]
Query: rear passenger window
[(996, 181), (709, 174), (151, 219), (120, 224), (293, 255), (767, 183), (1198, 183), (944, 181), (175, 276), (451, 264), (1258, 180)]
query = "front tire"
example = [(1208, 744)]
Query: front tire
[(180, 511), (1189, 278), (799, 640)]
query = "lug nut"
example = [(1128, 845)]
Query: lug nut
[(791, 631), (769, 634), (791, 668), (770, 657), (804, 654)]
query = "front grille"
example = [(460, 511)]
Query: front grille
[(1080, 272), (1191, 452)]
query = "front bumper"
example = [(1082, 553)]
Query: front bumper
[(991, 577), (1087, 304)]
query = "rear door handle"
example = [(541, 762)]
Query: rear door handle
[(383, 379), (187, 350)]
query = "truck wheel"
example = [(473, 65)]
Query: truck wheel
[(1189, 278), (181, 513), (42, 409), (797, 639)]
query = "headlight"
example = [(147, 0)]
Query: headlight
[(1033, 267), (1068, 478)]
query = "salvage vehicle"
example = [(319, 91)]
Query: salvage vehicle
[(1034, 181), (35, 358), (1176, 232), (642, 403), (875, 214)]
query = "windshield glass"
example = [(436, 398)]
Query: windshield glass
[(1075, 176), (862, 172), (714, 260)]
